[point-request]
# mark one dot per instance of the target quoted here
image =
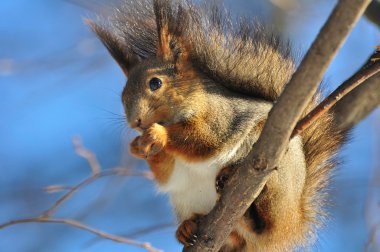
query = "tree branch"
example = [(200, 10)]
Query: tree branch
[(250, 178), (89, 180), (360, 102), (97, 173), (354, 107), (373, 11), (82, 226), (136, 233), (87, 154), (367, 71)]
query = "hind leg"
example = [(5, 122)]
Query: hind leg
[(187, 231)]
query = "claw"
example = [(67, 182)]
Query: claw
[(186, 232)]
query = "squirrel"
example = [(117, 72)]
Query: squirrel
[(200, 87)]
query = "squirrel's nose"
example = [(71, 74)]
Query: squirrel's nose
[(136, 123)]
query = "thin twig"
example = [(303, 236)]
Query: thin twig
[(57, 188), (372, 236), (82, 226), (46, 217), (359, 103), (358, 78), (137, 233), (239, 193), (106, 173), (87, 154)]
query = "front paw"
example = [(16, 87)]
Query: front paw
[(187, 231), (135, 149), (150, 143)]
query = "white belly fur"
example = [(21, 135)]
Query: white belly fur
[(191, 186)]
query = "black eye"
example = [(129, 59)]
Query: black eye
[(155, 83)]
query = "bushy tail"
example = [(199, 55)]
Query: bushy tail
[(321, 143)]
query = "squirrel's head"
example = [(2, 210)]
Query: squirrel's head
[(159, 92), (162, 87)]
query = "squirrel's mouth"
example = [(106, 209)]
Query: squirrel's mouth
[(142, 128), (163, 123)]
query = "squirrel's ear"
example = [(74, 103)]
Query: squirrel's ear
[(115, 46), (171, 30)]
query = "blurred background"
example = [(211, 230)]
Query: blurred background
[(57, 82)]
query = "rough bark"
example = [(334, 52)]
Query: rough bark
[(373, 12), (358, 104)]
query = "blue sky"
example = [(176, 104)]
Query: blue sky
[(57, 81)]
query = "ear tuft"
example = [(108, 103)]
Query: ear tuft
[(171, 22), (115, 45)]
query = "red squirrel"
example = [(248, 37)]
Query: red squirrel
[(200, 86)]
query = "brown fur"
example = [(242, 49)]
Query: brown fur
[(214, 71), (187, 229)]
